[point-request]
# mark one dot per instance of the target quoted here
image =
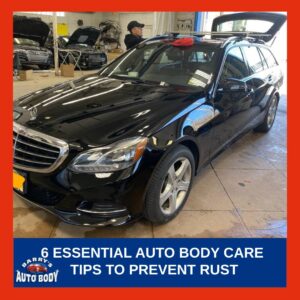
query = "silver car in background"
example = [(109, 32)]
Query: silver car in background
[(30, 35)]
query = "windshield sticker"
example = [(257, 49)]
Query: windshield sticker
[(196, 82), (162, 83), (203, 74), (200, 78), (133, 74)]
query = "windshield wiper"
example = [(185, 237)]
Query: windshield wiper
[(132, 79)]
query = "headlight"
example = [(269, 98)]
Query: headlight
[(16, 115), (117, 156)]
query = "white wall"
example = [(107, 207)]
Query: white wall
[(184, 20), (208, 19)]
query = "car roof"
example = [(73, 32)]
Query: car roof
[(221, 42), (197, 40)]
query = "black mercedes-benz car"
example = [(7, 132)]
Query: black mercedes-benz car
[(30, 35), (85, 43), (127, 141)]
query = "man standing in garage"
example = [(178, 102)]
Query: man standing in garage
[(135, 36)]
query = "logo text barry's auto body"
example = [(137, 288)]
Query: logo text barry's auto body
[(36, 269)]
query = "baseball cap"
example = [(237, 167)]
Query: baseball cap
[(133, 24)]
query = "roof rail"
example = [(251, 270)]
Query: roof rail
[(251, 36), (228, 36), (227, 33)]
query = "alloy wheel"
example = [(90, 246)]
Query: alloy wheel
[(175, 186), (272, 112)]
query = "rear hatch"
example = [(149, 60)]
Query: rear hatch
[(262, 25)]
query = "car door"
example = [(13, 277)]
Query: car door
[(273, 74), (262, 79), (232, 106)]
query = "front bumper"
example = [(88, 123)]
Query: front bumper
[(91, 60), (84, 199), (27, 60), (84, 218), (78, 198)]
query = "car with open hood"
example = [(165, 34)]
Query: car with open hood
[(85, 43), (30, 35), (126, 142), (62, 41)]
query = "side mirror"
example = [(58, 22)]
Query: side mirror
[(232, 85)]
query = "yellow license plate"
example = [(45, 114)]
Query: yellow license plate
[(19, 182)]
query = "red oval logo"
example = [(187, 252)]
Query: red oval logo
[(37, 268)]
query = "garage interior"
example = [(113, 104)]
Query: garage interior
[(241, 193)]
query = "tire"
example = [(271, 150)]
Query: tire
[(268, 121), (170, 185)]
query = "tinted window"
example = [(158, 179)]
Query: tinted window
[(254, 60), (245, 25), (235, 66), (269, 57)]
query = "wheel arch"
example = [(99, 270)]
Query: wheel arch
[(192, 146)]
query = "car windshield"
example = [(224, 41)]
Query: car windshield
[(166, 64), (23, 41)]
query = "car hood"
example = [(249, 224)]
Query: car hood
[(97, 110), (84, 35), (32, 29)]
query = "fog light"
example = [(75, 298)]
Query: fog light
[(102, 175)]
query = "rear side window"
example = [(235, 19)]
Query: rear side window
[(235, 66), (265, 65), (271, 61), (254, 60)]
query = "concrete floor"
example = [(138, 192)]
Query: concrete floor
[(242, 193)]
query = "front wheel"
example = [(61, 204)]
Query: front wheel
[(268, 121), (170, 185)]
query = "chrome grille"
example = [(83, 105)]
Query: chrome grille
[(35, 151), (96, 58), (40, 53)]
